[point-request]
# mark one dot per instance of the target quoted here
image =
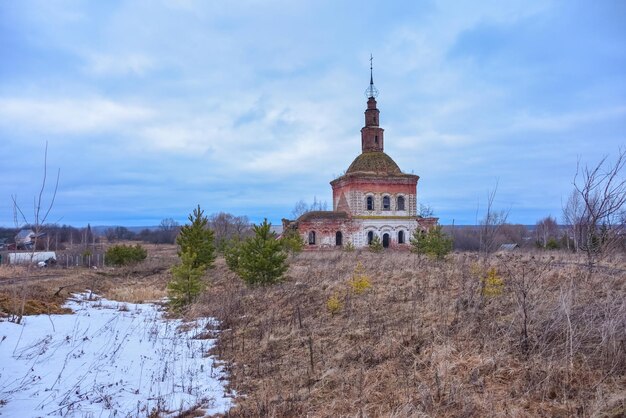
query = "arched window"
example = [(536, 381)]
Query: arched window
[(312, 238), (370, 237), (338, 238), (401, 237), (370, 203), (376, 139), (386, 203), (385, 240), (400, 205)]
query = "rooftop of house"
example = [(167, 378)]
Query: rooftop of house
[(24, 233)]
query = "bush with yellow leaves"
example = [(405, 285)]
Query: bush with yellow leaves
[(492, 283), (333, 305), (360, 281)]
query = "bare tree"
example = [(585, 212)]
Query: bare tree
[(426, 211), (546, 229), (227, 226), (491, 224), (41, 211), (572, 216), (513, 233), (169, 229), (87, 237), (602, 195), (299, 209), (302, 207)]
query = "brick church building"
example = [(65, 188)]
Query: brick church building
[(373, 198)]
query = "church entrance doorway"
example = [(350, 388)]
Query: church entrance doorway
[(386, 240)]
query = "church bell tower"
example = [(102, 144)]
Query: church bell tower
[(372, 139)]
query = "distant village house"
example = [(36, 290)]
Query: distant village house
[(26, 239)]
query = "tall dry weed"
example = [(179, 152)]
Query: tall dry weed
[(425, 341)]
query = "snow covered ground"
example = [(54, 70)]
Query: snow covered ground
[(108, 359)]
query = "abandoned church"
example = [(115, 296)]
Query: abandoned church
[(374, 198)]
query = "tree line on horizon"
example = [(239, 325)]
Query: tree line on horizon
[(61, 237), (547, 234), (594, 219)]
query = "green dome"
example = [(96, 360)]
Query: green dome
[(374, 162)]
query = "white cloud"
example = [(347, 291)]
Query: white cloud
[(178, 138), (118, 64), (432, 138), (294, 158), (564, 121), (70, 116), (254, 92)]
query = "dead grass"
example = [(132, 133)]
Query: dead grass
[(422, 340), (40, 290), (138, 293), (10, 306)]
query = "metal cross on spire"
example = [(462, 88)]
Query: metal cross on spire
[(371, 91)]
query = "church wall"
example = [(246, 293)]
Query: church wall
[(356, 194), (386, 226), (325, 231), (355, 231)]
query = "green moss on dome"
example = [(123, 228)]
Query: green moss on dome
[(374, 162)]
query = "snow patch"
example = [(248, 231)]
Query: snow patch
[(108, 359)]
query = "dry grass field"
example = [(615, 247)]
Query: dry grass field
[(515, 335), (424, 339)]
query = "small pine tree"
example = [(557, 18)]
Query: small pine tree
[(121, 255), (232, 250), (196, 238), (417, 241), (292, 242), (376, 246), (552, 244), (262, 259), (186, 284), (434, 243)]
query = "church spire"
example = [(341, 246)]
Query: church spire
[(371, 133), (371, 91)]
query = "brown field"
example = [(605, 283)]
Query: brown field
[(426, 338)]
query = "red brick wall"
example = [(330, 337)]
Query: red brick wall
[(325, 230)]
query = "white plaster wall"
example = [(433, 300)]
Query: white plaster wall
[(382, 226), (356, 201)]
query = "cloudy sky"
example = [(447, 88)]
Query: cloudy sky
[(152, 107)]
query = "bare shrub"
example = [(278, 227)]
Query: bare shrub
[(597, 209), (491, 224)]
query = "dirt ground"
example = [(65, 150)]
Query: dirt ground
[(514, 335), (44, 290)]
